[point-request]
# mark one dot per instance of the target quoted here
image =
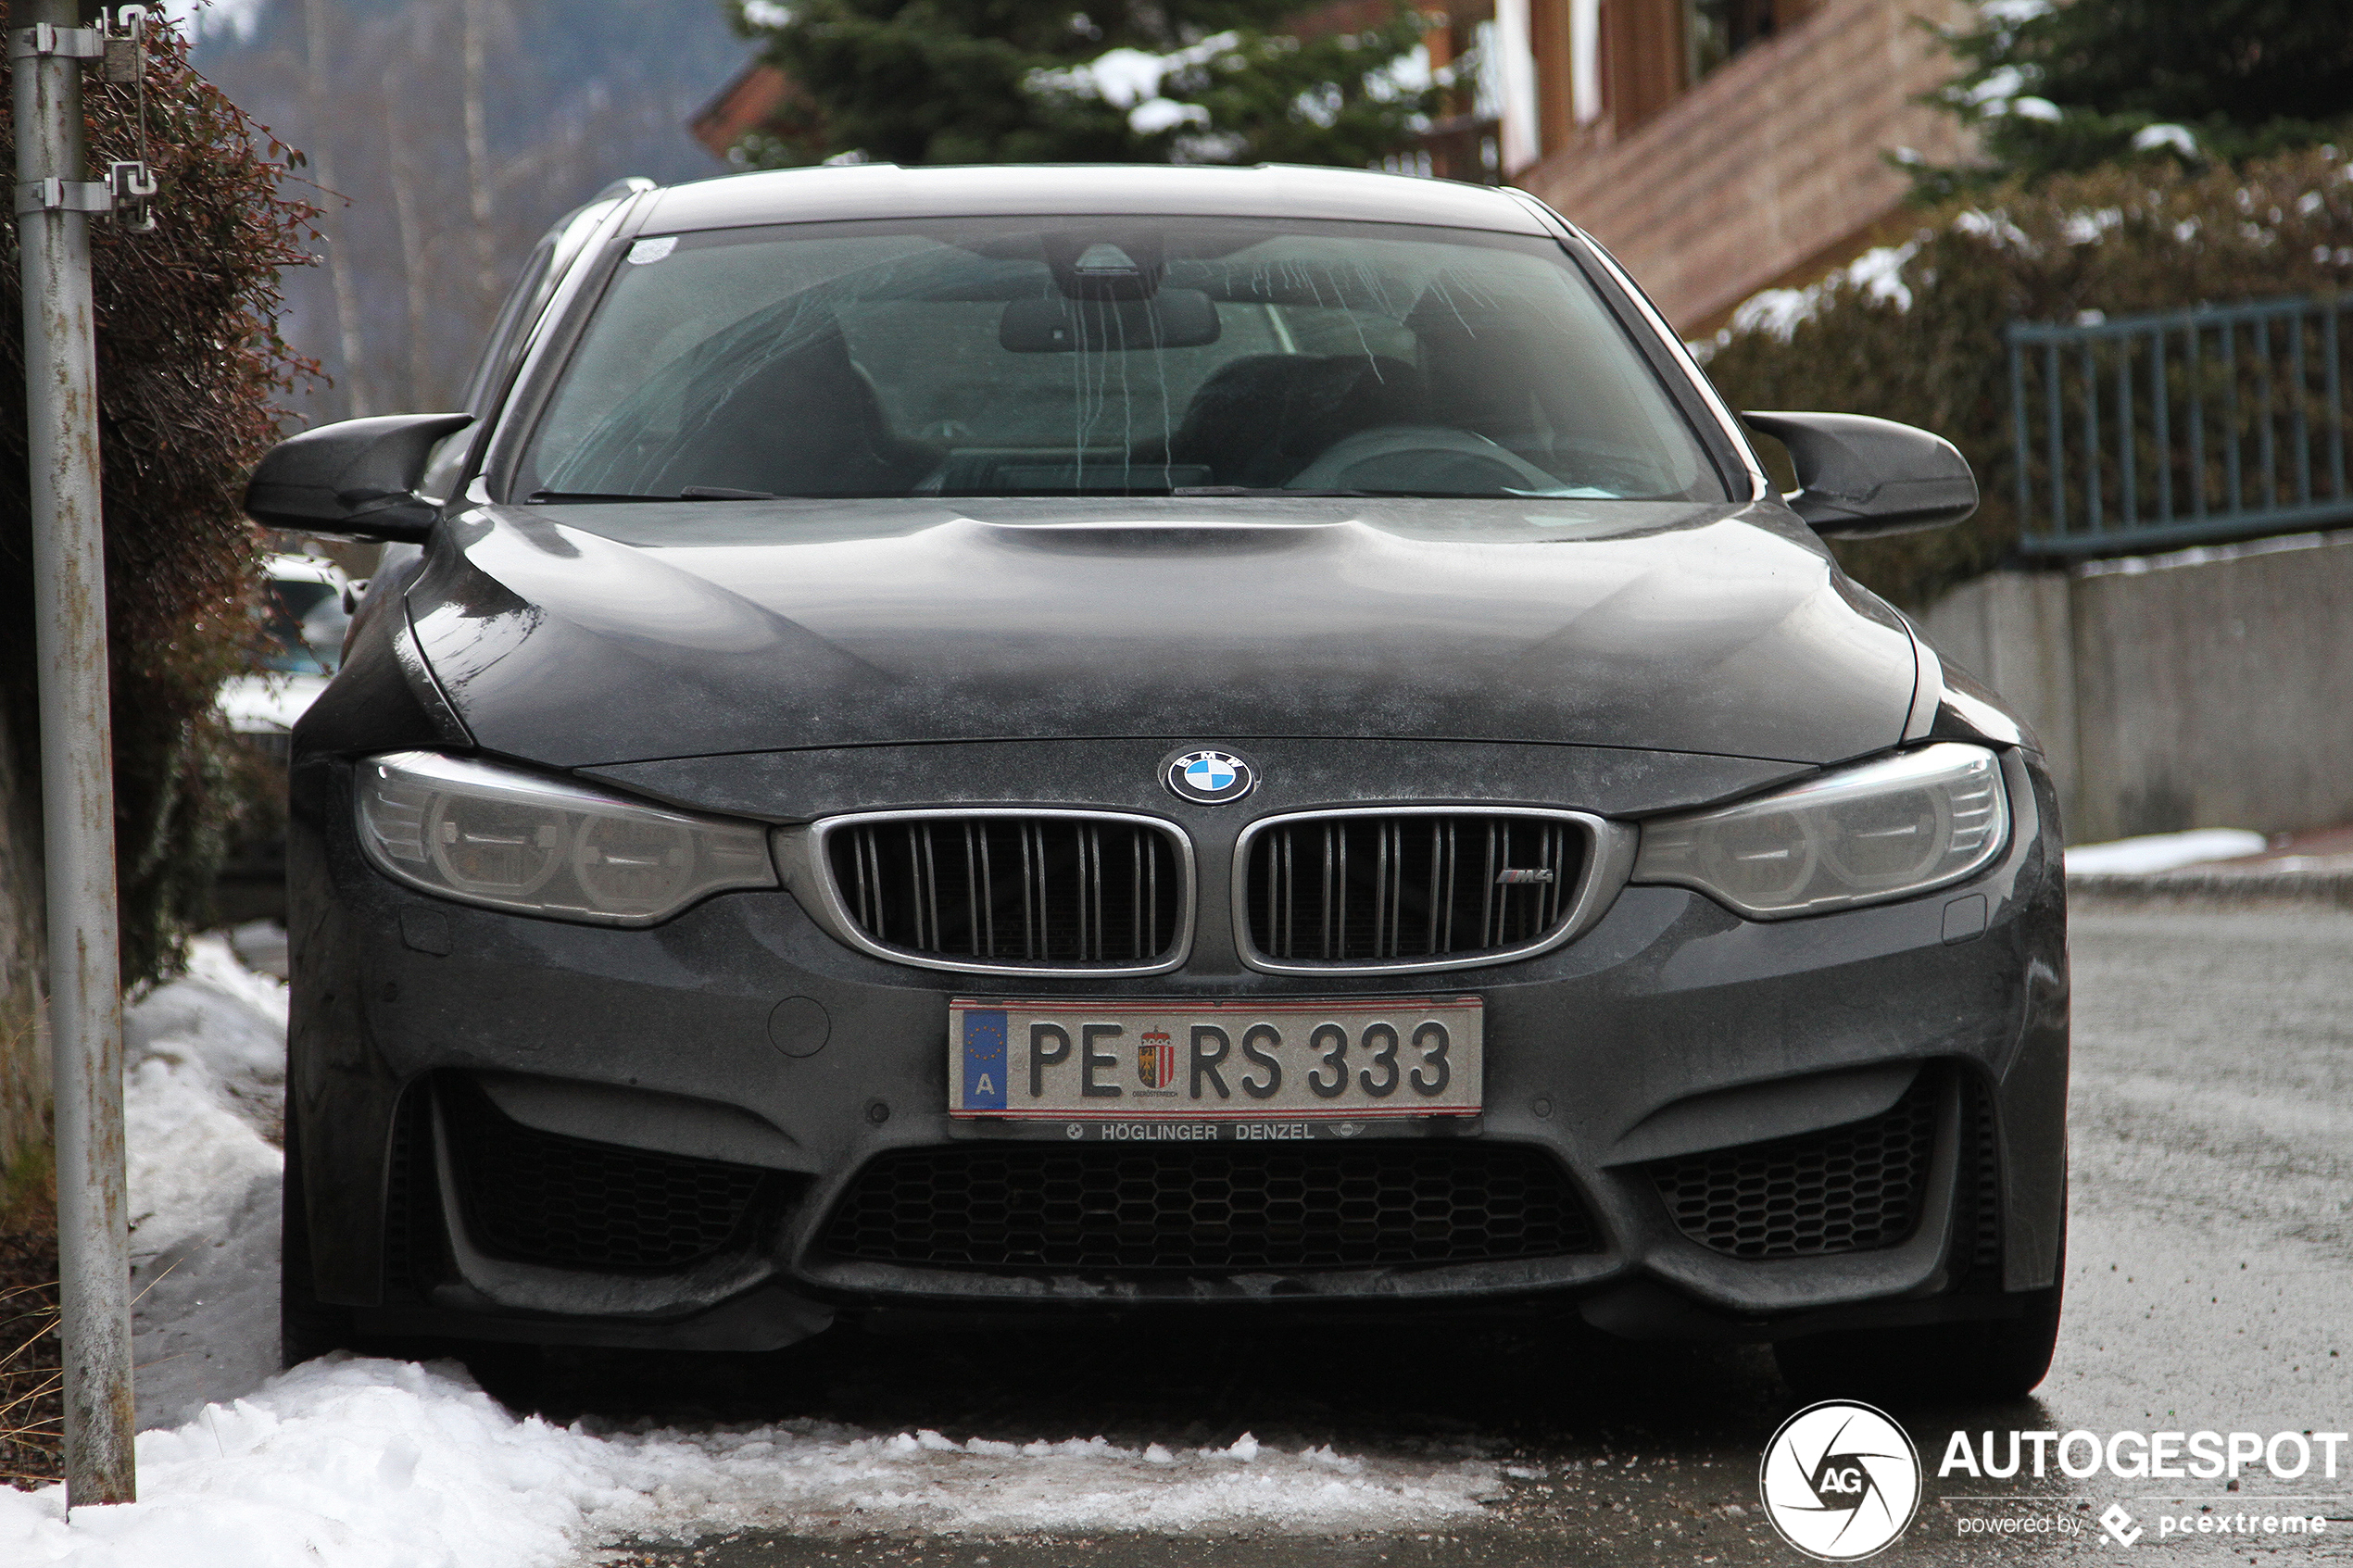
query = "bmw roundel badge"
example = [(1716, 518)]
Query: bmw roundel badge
[(1211, 777)]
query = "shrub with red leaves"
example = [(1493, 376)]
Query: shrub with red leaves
[(190, 371)]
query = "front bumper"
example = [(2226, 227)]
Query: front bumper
[(1670, 1030)]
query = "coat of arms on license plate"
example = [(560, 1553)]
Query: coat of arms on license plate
[(1156, 1059)]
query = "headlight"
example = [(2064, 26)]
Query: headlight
[(487, 834), (1885, 830)]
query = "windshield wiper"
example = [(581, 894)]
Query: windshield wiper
[(692, 493)]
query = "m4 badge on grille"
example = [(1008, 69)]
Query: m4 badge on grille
[(1512, 876)]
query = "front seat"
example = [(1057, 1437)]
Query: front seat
[(1262, 418)]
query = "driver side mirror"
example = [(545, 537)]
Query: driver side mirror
[(1859, 477), (357, 478)]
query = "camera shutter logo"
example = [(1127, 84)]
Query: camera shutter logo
[(1840, 1481)]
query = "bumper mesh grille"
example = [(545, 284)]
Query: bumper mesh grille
[(1849, 1189), (410, 1198), (1043, 890), (1208, 1211), (1380, 889), (539, 1197), (1981, 1188)]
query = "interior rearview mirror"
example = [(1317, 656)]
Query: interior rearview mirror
[(1171, 318), (1859, 477), (357, 478)]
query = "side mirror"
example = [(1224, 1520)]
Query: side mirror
[(1859, 477), (357, 478)]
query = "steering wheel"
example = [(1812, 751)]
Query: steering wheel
[(1420, 457)]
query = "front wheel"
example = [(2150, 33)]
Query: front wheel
[(1986, 1361)]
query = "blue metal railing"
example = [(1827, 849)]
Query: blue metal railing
[(2180, 427)]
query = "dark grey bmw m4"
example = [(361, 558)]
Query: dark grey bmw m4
[(1246, 744)]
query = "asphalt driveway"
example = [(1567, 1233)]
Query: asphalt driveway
[(2210, 1287)]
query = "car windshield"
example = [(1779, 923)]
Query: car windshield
[(1107, 355), (304, 622)]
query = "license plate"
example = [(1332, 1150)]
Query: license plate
[(1357, 1060)]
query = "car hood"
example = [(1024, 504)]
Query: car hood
[(589, 634)]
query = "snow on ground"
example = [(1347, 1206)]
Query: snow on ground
[(2163, 851), (354, 1463), (349, 1462), (204, 1081)]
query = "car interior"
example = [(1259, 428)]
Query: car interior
[(1259, 361)]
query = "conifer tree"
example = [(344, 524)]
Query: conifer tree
[(2055, 88), (916, 82)]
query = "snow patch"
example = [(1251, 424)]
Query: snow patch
[(2163, 851), (1878, 274), (2087, 228), (1131, 79), (349, 1462), (1995, 227), (2148, 138), (353, 1462), (204, 1085)]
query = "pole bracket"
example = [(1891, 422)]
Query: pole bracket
[(48, 38), (64, 195)]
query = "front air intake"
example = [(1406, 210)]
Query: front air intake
[(1855, 1188), (534, 1196), (1090, 892), (1208, 1210), (1411, 888)]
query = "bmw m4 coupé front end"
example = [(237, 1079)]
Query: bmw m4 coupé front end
[(1104, 740)]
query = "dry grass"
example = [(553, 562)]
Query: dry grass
[(31, 1411)]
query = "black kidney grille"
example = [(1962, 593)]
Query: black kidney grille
[(1849, 1189), (540, 1197), (1208, 1211), (1375, 889), (1036, 890)]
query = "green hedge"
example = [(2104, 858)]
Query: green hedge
[(1916, 336)]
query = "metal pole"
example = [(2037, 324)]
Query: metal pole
[(70, 601)]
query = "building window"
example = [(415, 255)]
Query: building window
[(1715, 30)]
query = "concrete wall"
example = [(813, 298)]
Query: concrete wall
[(1773, 167), (2210, 688)]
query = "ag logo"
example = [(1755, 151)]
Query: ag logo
[(1840, 1481), (1211, 777)]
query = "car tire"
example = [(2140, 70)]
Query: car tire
[(1987, 1361), (308, 1328)]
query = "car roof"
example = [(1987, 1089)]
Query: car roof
[(823, 194)]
